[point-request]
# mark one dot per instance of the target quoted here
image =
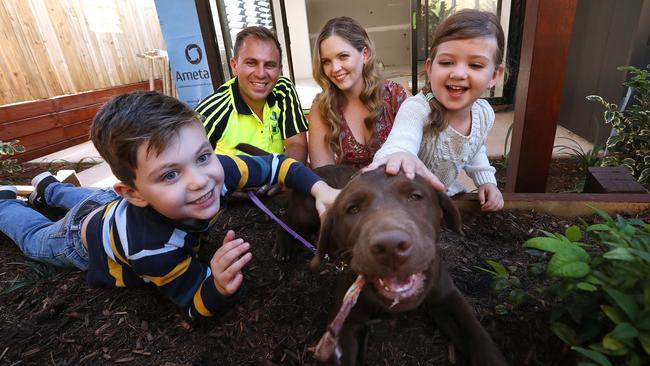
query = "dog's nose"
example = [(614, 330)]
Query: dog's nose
[(391, 247)]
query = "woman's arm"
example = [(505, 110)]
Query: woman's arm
[(319, 151)]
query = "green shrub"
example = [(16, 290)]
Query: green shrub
[(8, 149), (504, 279), (573, 150), (604, 289), (630, 147)]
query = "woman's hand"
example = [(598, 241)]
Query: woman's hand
[(408, 163)]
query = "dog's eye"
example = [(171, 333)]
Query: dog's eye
[(414, 196), (352, 210)]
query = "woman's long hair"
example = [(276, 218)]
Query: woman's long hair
[(464, 24), (332, 100)]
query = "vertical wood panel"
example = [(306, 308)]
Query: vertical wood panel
[(52, 48), (548, 25), (35, 47), (61, 79), (20, 57), (7, 80)]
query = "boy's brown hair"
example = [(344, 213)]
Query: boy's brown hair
[(129, 120)]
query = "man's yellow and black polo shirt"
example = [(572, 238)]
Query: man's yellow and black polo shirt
[(229, 120)]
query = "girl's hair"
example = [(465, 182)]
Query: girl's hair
[(464, 24), (332, 100)]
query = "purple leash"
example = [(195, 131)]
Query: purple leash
[(270, 214)]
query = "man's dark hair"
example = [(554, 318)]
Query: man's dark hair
[(259, 33), (129, 120)]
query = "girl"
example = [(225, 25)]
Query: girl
[(353, 115), (447, 124)]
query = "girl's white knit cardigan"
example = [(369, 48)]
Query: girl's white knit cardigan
[(451, 151)]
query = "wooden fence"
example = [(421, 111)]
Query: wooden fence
[(51, 48)]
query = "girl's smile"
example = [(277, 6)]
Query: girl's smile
[(461, 71)]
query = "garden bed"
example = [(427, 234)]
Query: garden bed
[(55, 318)]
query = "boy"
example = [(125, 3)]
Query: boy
[(147, 229)]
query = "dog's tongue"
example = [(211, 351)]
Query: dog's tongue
[(399, 287), (397, 283)]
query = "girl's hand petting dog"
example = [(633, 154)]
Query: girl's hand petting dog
[(408, 163), (227, 263)]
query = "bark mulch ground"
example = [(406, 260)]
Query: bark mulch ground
[(50, 316)]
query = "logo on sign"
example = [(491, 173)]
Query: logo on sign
[(193, 53)]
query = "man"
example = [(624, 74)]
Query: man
[(257, 106)]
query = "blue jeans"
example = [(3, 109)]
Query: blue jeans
[(58, 243)]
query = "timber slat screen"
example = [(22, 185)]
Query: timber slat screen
[(52, 48)]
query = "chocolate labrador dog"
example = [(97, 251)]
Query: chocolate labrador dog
[(301, 214), (386, 228)]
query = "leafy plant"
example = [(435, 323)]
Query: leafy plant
[(503, 162), (584, 158), (630, 146), (574, 150), (605, 315), (8, 149), (503, 278), (27, 274)]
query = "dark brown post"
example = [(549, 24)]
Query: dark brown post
[(204, 13), (546, 39)]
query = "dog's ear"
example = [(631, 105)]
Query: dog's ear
[(324, 240), (450, 213)]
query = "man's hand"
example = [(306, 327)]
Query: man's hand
[(410, 164), (324, 196), (227, 263), (490, 197)]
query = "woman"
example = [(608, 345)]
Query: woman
[(352, 117)]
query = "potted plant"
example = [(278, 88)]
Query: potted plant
[(629, 144)]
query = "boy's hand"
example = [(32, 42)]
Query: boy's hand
[(324, 196), (490, 197), (410, 164), (227, 263)]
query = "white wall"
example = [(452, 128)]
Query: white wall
[(386, 21), (299, 36)]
